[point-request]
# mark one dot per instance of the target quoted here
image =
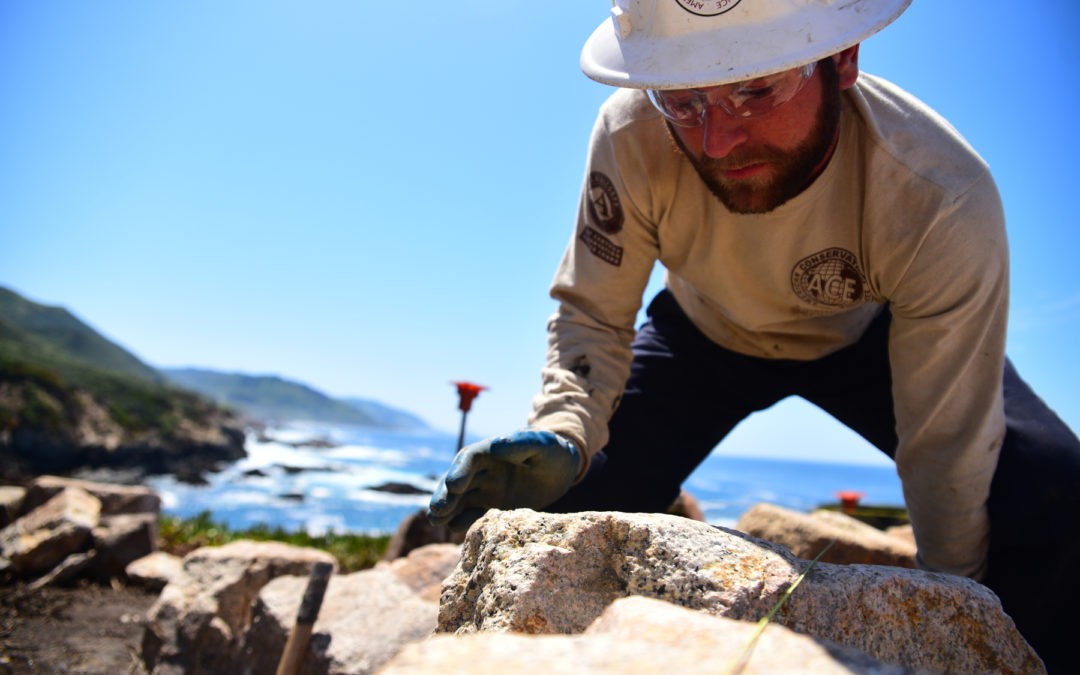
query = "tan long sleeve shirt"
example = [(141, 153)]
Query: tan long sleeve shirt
[(905, 213)]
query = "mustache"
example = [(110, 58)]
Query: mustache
[(740, 158), (736, 159)]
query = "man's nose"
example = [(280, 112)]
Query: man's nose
[(723, 133)]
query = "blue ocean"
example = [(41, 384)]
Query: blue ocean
[(322, 479)]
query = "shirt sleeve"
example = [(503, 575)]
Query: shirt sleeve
[(598, 285), (947, 351)]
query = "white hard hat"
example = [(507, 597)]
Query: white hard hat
[(675, 44)]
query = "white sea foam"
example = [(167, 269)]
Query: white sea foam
[(235, 498), (271, 453), (169, 500), (364, 453), (299, 432)]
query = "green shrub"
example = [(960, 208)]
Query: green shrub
[(353, 552)]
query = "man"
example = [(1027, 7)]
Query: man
[(825, 235)]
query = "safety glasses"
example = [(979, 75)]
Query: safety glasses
[(751, 98)]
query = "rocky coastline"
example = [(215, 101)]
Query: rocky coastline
[(84, 440)]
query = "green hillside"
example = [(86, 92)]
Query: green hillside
[(273, 399), (36, 331), (47, 353), (71, 399)]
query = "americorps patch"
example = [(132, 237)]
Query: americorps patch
[(605, 208)]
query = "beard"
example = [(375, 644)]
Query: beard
[(793, 170)]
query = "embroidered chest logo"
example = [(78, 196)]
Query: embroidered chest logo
[(831, 277), (707, 7)]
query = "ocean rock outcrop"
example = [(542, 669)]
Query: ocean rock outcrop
[(82, 437)]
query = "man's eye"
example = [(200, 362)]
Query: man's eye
[(682, 105), (756, 93)]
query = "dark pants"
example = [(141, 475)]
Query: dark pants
[(685, 393)]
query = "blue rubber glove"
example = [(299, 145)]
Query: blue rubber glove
[(527, 469)]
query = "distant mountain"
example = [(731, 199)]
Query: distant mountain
[(392, 417), (274, 399), (71, 400)]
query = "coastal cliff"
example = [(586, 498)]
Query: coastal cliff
[(71, 402)]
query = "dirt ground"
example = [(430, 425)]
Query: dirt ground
[(84, 629)]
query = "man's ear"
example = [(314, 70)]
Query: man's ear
[(847, 66)]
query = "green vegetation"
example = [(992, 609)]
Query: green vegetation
[(353, 552), (38, 332), (48, 395), (46, 354)]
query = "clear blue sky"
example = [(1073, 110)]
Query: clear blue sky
[(372, 197)]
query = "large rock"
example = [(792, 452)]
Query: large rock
[(120, 540), (365, 619), (100, 527), (155, 571), (807, 535), (905, 532), (545, 573), (198, 622), (232, 608), (424, 569), (639, 636), (42, 539), (416, 531), (68, 569), (11, 501), (115, 499)]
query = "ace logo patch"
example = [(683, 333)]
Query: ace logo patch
[(832, 278)]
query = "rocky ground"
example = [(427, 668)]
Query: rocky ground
[(85, 629)]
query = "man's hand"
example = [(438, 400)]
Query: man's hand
[(527, 469)]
